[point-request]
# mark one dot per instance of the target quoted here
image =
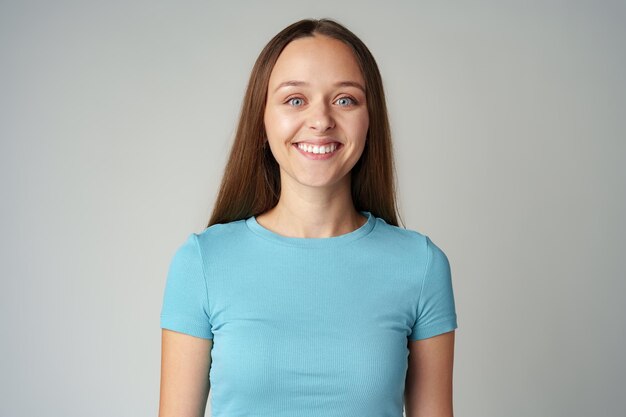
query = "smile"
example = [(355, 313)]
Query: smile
[(318, 152)]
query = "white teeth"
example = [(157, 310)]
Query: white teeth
[(317, 149)]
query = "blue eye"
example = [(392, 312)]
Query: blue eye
[(346, 98), (291, 100)]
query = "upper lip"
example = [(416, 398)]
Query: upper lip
[(318, 141)]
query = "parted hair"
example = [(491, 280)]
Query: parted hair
[(251, 181)]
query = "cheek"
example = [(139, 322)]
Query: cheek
[(361, 126), (278, 122)]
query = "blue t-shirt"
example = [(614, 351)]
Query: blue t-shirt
[(308, 327)]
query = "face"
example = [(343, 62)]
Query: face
[(316, 116)]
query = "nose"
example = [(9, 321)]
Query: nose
[(320, 117)]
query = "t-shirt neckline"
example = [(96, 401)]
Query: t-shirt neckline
[(314, 242)]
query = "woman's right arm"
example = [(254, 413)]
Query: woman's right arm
[(185, 364)]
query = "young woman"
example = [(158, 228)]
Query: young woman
[(303, 297)]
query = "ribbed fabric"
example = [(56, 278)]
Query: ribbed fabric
[(308, 327)]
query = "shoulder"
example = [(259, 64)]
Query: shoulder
[(221, 235), (400, 237), (220, 230), (409, 241)]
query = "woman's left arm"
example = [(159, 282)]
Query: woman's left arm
[(428, 387)]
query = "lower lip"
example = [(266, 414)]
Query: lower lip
[(319, 156)]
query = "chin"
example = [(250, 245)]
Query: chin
[(319, 182)]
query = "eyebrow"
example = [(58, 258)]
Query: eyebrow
[(294, 83)]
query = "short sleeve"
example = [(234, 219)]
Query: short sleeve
[(185, 306), (436, 313)]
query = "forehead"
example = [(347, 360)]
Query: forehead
[(316, 59)]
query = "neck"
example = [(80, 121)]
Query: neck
[(313, 212)]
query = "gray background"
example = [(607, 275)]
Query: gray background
[(509, 128)]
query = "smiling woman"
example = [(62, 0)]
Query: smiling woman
[(303, 297), (316, 100)]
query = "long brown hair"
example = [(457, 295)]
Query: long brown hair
[(251, 182)]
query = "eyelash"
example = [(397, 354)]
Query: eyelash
[(354, 102)]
